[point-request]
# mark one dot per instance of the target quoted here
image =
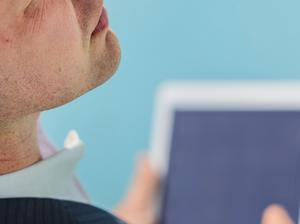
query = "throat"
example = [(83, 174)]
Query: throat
[(18, 144), (15, 159)]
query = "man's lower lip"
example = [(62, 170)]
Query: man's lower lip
[(103, 22)]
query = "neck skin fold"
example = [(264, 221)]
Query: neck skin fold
[(18, 144)]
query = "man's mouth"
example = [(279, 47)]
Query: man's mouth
[(103, 21)]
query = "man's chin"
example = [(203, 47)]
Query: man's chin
[(114, 51), (107, 61), (104, 64)]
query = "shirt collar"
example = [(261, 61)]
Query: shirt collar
[(49, 178)]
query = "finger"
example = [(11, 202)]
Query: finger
[(139, 203), (276, 214), (145, 185)]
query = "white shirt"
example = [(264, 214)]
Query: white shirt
[(53, 177)]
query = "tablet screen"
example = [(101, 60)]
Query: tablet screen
[(227, 167)]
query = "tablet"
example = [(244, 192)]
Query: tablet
[(227, 150)]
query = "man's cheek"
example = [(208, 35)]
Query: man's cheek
[(46, 16)]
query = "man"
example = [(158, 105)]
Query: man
[(51, 52)]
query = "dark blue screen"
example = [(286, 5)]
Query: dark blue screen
[(227, 167)]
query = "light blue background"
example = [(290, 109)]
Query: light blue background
[(171, 39)]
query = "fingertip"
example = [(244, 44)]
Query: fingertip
[(144, 163), (276, 214)]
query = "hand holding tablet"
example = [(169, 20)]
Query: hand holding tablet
[(227, 151)]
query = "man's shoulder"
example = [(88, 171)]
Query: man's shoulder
[(52, 211)]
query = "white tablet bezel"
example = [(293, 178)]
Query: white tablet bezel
[(214, 95)]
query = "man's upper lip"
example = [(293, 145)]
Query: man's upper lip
[(100, 6), (100, 12)]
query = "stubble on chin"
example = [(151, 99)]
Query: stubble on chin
[(106, 62)]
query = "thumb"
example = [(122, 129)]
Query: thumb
[(145, 184), (138, 206), (276, 214)]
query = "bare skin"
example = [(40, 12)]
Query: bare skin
[(49, 56), (138, 206), (18, 145), (276, 214)]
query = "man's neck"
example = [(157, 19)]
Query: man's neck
[(18, 144)]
